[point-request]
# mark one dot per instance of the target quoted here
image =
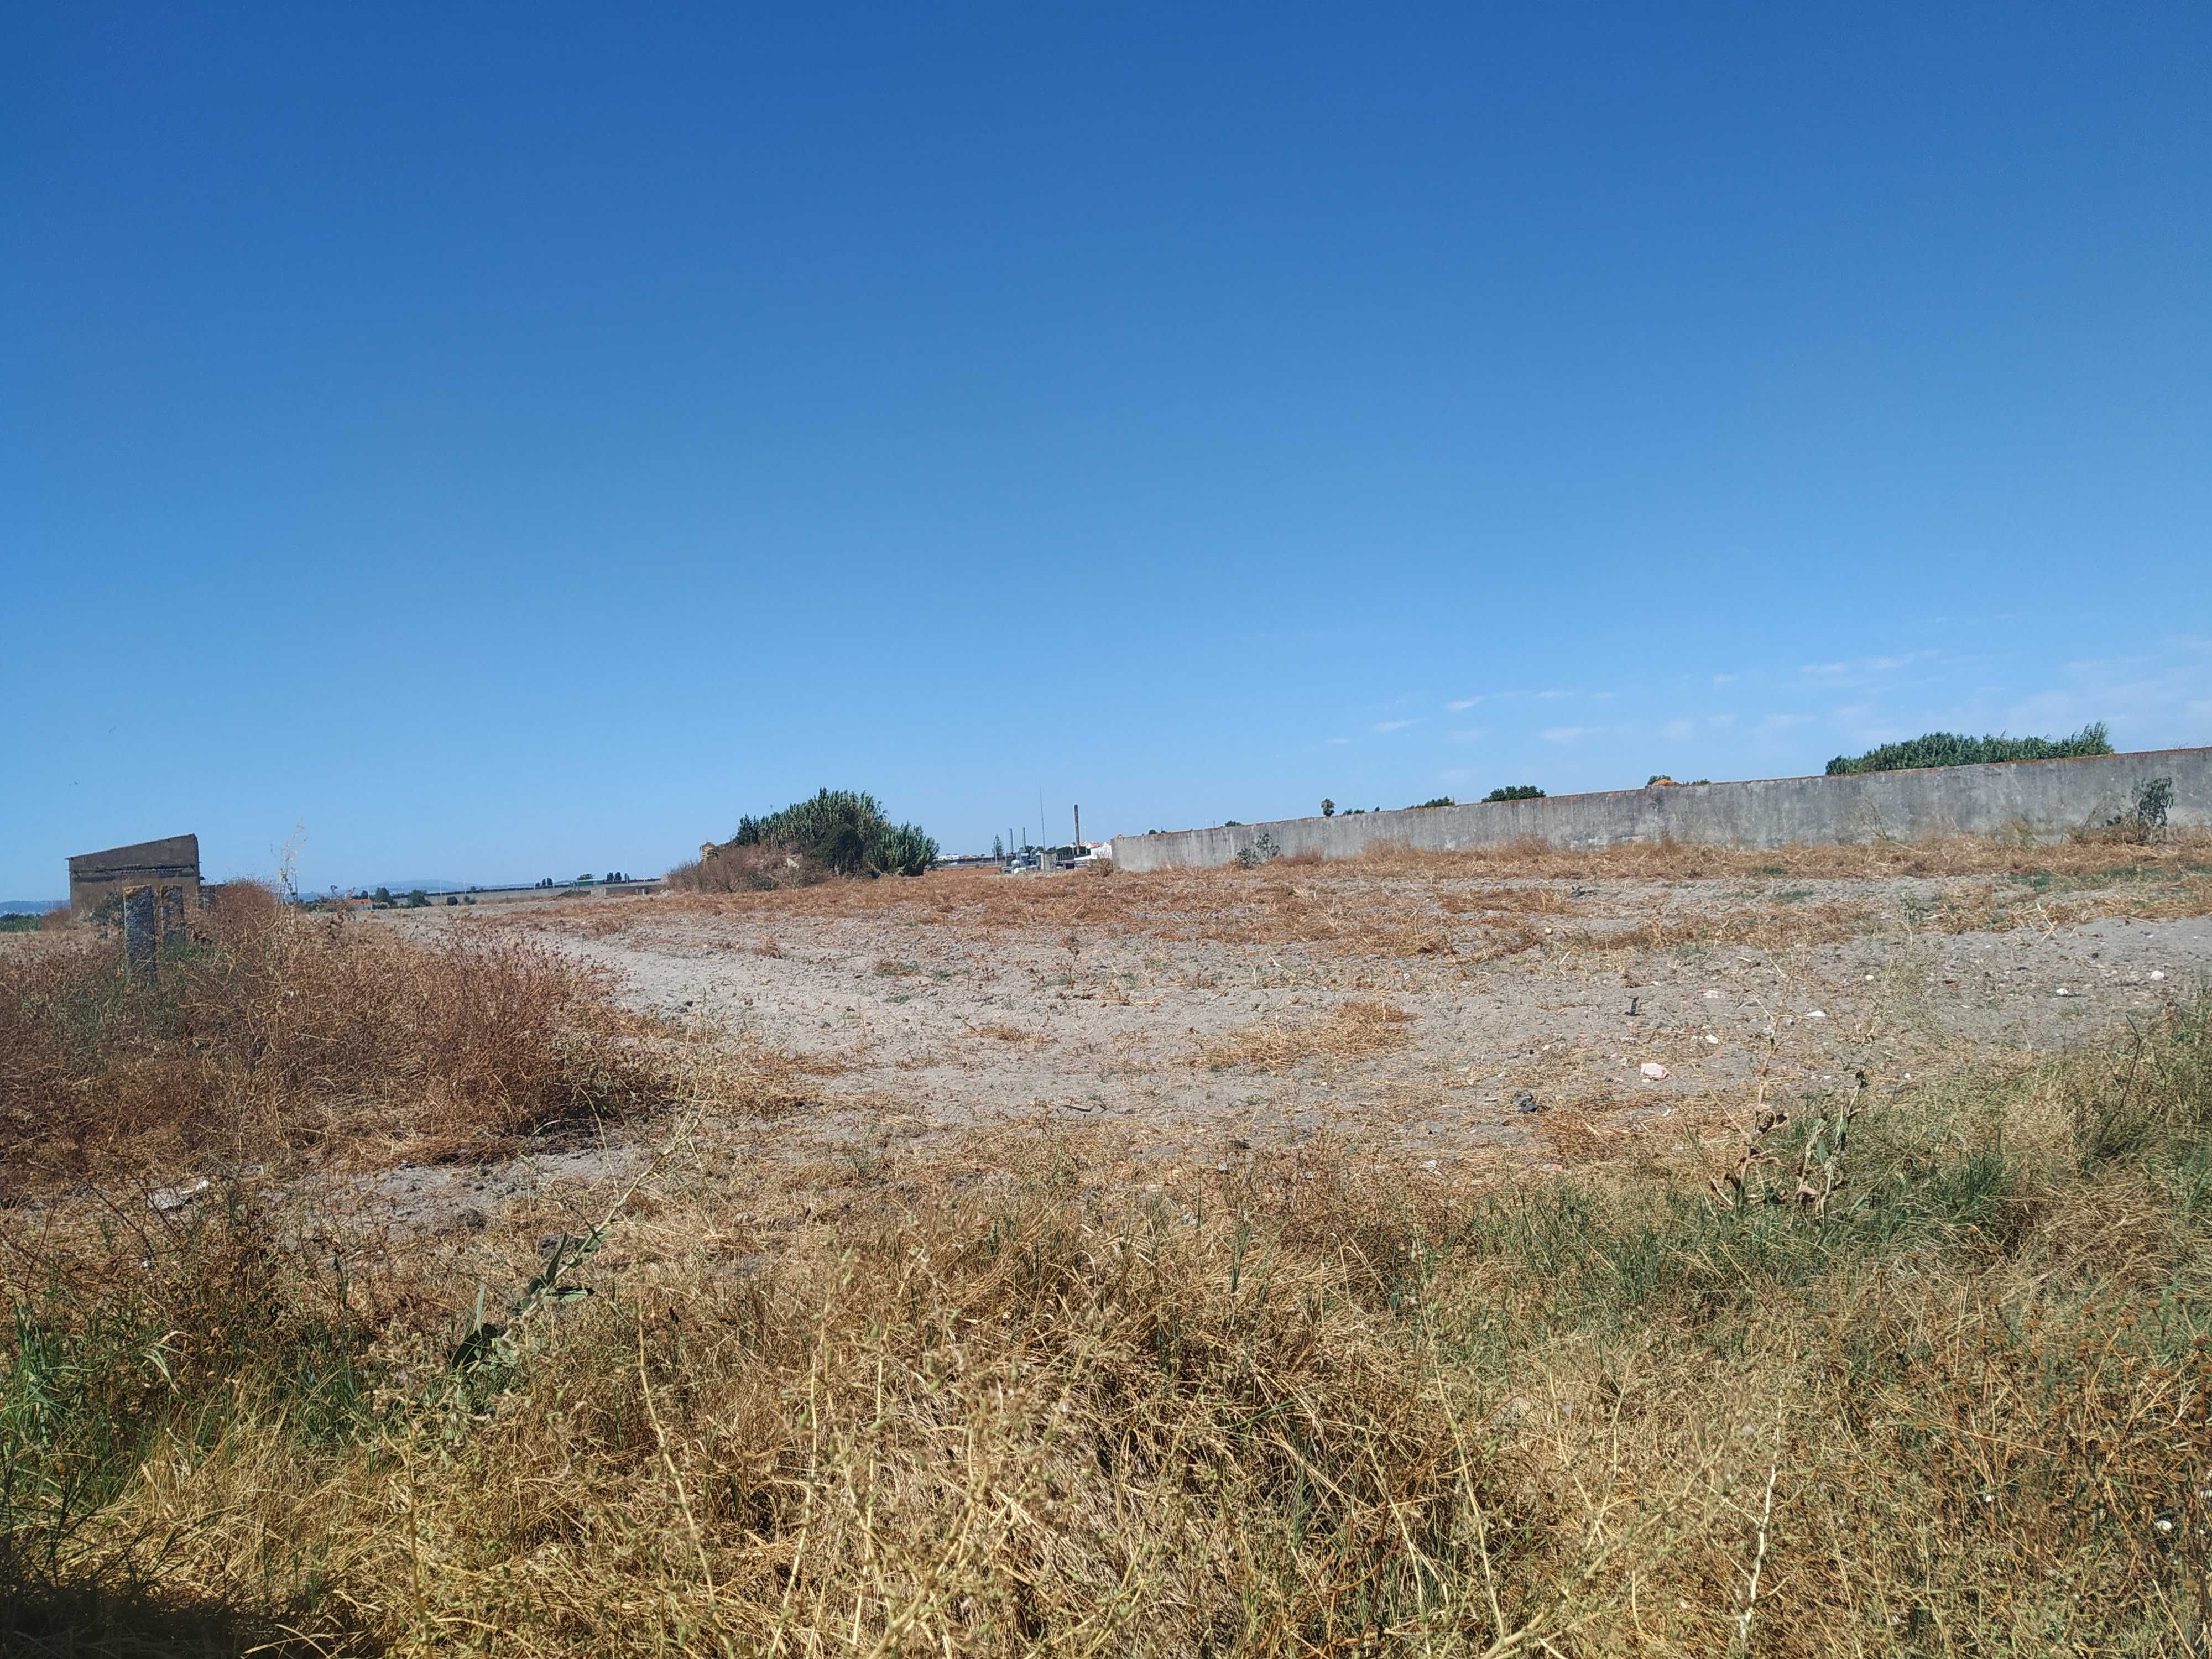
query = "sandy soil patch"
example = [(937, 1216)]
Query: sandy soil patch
[(1554, 1014)]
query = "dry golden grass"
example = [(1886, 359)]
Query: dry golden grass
[(860, 1389), (270, 1032), (1483, 904), (1353, 1031), (1954, 855), (1040, 1398)]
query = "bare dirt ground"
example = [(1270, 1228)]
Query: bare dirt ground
[(1538, 1011)]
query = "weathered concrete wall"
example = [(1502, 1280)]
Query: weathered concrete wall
[(2042, 800), (94, 878)]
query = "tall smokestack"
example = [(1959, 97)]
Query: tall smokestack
[(1079, 829)]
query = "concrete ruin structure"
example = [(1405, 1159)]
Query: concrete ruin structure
[(169, 869)]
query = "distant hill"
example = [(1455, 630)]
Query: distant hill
[(28, 907)]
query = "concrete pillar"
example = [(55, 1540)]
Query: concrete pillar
[(139, 932), (172, 913)]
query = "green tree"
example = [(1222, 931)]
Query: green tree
[(845, 832)]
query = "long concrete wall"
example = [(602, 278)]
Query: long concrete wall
[(2040, 800)]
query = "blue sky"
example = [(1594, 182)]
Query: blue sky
[(507, 443)]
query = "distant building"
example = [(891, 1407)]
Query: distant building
[(171, 867), (1075, 855)]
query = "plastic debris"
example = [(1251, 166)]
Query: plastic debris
[(1653, 1069), (175, 1198)]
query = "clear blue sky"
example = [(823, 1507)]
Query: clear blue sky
[(514, 442)]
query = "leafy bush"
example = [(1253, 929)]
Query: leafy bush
[(841, 832), (1515, 792), (2152, 801), (1262, 850), (2143, 821), (1437, 800), (1949, 749)]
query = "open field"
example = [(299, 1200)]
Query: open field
[(1417, 1001), (1298, 1260)]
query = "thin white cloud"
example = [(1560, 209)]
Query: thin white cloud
[(1720, 680), (1720, 722), (1459, 706), (1469, 734), (1394, 726), (1681, 730), (1863, 668), (1553, 697), (2156, 698), (1333, 742), (1774, 725)]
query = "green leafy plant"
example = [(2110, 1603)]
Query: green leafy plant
[(840, 832), (1261, 850), (1515, 792), (1950, 749)]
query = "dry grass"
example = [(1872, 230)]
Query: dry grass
[(1488, 902), (1353, 1031), (1045, 1400), (269, 1033), (1954, 855), (1023, 1393)]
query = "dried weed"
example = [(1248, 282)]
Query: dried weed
[(1353, 1031)]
